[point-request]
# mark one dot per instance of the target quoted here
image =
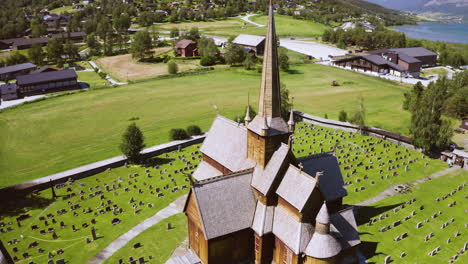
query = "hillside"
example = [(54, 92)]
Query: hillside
[(454, 7)]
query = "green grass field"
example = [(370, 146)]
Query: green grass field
[(157, 242), (62, 133), (73, 243), (92, 79), (416, 249)]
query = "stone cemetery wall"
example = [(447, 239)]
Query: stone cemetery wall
[(369, 131)]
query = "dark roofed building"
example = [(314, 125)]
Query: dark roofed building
[(427, 57), (251, 43), (47, 68), (45, 82), (10, 72), (74, 36), (26, 43), (186, 48), (255, 202), (8, 91), (370, 63)]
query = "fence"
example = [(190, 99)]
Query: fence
[(369, 131)]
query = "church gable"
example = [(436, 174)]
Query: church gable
[(296, 188)]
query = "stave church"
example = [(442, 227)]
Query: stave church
[(253, 201)]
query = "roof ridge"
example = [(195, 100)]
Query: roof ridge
[(222, 177), (318, 155), (230, 122)]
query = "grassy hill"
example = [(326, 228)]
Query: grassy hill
[(65, 132)]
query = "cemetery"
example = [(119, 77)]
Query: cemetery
[(426, 225), (58, 223)]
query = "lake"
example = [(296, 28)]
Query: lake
[(446, 32)]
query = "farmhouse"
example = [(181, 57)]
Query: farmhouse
[(10, 72), (186, 48), (407, 61), (39, 83), (254, 201), (251, 43), (8, 91)]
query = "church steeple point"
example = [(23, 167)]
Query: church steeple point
[(269, 104)]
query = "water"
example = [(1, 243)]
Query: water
[(446, 32)]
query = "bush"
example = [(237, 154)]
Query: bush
[(194, 130), (343, 116), (178, 134), (208, 61), (172, 67), (102, 75)]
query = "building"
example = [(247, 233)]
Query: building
[(26, 43), (10, 72), (46, 82), (464, 124), (400, 62), (73, 36), (8, 91), (255, 202), (186, 48), (368, 27), (47, 68), (251, 43)]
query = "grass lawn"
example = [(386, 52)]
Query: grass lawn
[(438, 71), (62, 9), (366, 176), (414, 246), (92, 79), (157, 242), (76, 250), (62, 133), (124, 68)]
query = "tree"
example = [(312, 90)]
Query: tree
[(132, 143), (283, 60), (192, 34), (93, 44), (193, 130), (249, 62), (54, 50), (174, 33), (286, 104), (36, 55), (16, 58), (428, 130), (172, 67), (37, 29), (122, 23), (234, 54), (343, 116), (178, 134), (141, 45), (359, 117), (70, 50)]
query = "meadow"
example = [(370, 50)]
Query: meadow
[(66, 132), (426, 208), (286, 26)]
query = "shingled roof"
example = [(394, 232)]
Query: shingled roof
[(184, 43), (17, 67), (263, 178), (248, 40), (296, 187), (226, 203), (226, 144), (345, 225), (45, 77), (331, 184), (263, 219), (205, 171), (294, 234)]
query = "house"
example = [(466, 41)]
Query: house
[(45, 82), (74, 36), (10, 72), (400, 62), (26, 43), (8, 91), (251, 42), (255, 202), (8, 43), (186, 48)]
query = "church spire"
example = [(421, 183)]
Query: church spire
[(269, 104)]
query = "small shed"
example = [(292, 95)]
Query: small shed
[(186, 48)]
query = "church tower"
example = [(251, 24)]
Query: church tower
[(268, 129)]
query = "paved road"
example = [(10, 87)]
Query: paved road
[(174, 208), (246, 19), (7, 104), (391, 192)]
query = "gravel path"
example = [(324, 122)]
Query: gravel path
[(174, 208)]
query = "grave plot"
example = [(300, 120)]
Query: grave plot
[(39, 228), (154, 245), (369, 165), (428, 225)]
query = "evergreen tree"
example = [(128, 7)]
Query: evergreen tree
[(343, 116), (36, 55), (249, 62), (172, 67), (283, 60), (54, 50), (234, 54), (359, 117), (132, 143)]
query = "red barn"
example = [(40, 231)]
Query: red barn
[(186, 48)]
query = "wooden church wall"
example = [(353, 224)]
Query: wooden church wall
[(232, 248)]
